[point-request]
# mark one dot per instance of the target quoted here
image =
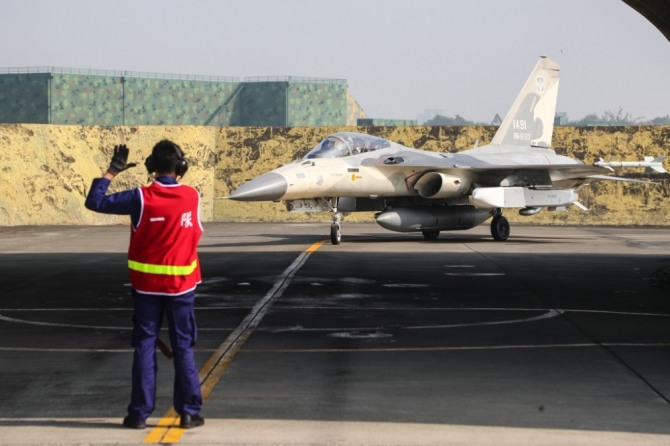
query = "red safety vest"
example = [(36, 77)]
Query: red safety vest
[(162, 256)]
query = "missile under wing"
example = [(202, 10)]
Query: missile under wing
[(421, 191)]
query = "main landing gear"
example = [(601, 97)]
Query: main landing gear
[(335, 232), (431, 234), (499, 226)]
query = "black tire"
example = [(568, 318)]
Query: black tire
[(335, 234), (431, 235), (500, 228)]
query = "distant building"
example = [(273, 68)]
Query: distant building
[(92, 97), (561, 118)]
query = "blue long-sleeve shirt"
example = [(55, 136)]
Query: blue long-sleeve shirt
[(127, 202)]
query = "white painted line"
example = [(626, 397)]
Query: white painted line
[(405, 285), (547, 315), (457, 348), (4, 318), (56, 324), (65, 350), (475, 274)]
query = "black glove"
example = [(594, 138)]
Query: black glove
[(120, 160)]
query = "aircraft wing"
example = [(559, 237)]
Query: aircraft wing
[(474, 166)]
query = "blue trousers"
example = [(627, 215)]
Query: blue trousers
[(147, 320)]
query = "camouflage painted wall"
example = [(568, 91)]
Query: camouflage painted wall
[(289, 103), (47, 169), (109, 100), (24, 98), (174, 102), (260, 104), (312, 104), (86, 100), (104, 100), (95, 99)]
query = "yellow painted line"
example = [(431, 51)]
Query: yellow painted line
[(170, 421), (314, 247), (167, 431)]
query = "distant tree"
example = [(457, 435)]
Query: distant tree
[(608, 118), (620, 118), (448, 120), (590, 119), (661, 120)]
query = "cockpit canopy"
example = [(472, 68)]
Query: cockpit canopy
[(343, 144)]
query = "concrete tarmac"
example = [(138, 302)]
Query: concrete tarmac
[(560, 335)]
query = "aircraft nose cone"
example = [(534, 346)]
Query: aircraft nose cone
[(268, 187)]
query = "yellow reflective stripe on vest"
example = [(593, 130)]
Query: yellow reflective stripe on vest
[(167, 270)]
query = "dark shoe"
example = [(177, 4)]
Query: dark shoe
[(189, 421), (132, 423)]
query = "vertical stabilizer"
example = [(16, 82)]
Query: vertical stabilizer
[(530, 121)]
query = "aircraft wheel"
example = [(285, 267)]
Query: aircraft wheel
[(431, 235), (335, 234), (500, 228)]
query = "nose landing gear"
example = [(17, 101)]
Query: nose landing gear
[(335, 233)]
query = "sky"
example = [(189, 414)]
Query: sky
[(399, 57)]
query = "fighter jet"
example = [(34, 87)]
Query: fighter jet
[(421, 191)]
